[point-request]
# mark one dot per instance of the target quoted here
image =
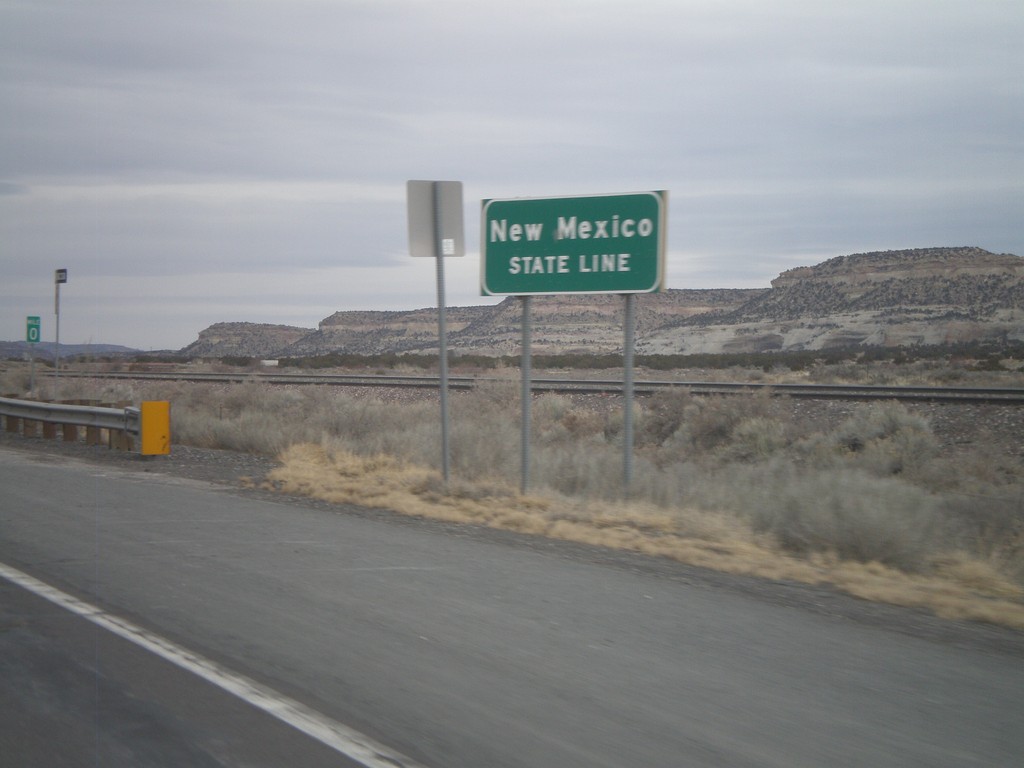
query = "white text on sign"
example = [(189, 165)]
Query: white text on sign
[(571, 229), (552, 265)]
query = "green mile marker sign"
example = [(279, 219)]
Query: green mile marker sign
[(32, 329), (591, 244)]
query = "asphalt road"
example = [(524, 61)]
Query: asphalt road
[(457, 650)]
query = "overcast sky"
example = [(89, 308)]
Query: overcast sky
[(197, 161)]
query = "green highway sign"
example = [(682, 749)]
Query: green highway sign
[(32, 331), (583, 244)]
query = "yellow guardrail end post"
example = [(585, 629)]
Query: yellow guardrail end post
[(155, 428)]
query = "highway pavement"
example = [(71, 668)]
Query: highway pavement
[(452, 649)]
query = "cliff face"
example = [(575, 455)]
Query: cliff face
[(862, 269), (966, 281), (586, 324), (890, 298), (244, 340), (371, 333)]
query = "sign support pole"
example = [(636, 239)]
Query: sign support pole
[(442, 334), (627, 392), (435, 229), (56, 346), (524, 486)]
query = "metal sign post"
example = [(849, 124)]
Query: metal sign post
[(60, 276), (524, 452), (627, 393), (442, 333), (436, 229)]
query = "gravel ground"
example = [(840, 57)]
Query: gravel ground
[(955, 427), (222, 467)]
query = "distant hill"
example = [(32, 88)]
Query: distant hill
[(44, 350), (890, 298)]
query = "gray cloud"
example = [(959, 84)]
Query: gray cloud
[(197, 140)]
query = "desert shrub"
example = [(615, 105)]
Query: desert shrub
[(583, 423), (490, 397), (487, 408), (705, 426), (575, 473), (252, 396), (756, 439), (662, 416), (256, 431), (850, 513), (591, 469), (843, 373), (720, 430), (417, 441), (480, 453), (982, 472), (883, 422), (15, 380), (983, 467), (614, 427), (247, 418), (882, 440), (262, 419), (680, 486), (552, 420), (549, 409), (84, 389), (990, 526), (709, 422)]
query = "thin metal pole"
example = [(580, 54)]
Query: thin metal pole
[(524, 486), (627, 393), (56, 346), (442, 335)]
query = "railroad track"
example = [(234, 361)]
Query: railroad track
[(975, 395)]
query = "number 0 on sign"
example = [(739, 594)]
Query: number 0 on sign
[(593, 244), (32, 331)]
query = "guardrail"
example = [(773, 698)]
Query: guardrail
[(147, 427)]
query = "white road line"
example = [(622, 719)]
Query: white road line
[(333, 734)]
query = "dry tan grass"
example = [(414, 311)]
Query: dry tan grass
[(953, 593), (958, 587)]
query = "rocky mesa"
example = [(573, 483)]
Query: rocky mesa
[(244, 340), (922, 296)]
